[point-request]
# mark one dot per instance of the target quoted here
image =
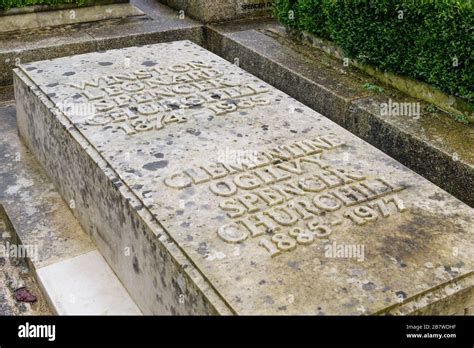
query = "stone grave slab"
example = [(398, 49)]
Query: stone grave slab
[(209, 191)]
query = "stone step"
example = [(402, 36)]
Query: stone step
[(85, 285), (431, 144), (38, 20), (74, 277), (208, 191), (159, 24)]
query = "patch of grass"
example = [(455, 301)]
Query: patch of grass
[(431, 109), (434, 111), (373, 87), (461, 118)]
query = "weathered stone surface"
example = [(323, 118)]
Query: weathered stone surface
[(216, 193), (221, 10), (432, 144), (67, 16), (407, 85), (58, 254), (160, 24), (41, 218), (43, 8)]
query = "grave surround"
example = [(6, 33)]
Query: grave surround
[(216, 193), (434, 147), (39, 16), (208, 11)]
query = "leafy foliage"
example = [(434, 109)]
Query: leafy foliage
[(430, 40), (7, 4)]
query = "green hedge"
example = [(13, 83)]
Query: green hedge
[(7, 4), (422, 39)]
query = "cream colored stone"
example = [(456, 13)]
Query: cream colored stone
[(85, 285), (139, 182)]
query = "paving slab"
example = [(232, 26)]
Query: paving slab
[(208, 191), (85, 285)]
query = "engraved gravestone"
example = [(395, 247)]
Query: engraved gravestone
[(210, 191)]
